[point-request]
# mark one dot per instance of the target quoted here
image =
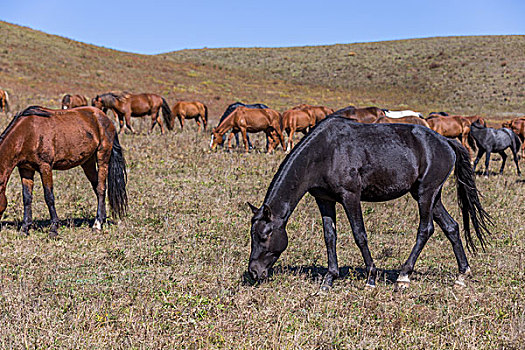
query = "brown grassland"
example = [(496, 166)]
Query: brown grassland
[(170, 275)]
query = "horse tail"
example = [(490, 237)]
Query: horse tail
[(468, 198), (166, 114), (205, 116), (117, 179), (472, 141)]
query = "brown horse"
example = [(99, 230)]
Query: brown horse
[(297, 119), (72, 101), (127, 105), (517, 125), (320, 112), (403, 120), (245, 120), (4, 101), (452, 126), (366, 115), (43, 140), (190, 110)]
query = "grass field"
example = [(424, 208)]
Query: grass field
[(171, 274)]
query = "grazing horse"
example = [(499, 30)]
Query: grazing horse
[(403, 120), (4, 101), (401, 114), (72, 101), (190, 110), (127, 105), (452, 126), (495, 140), (297, 119), (320, 112), (517, 125), (43, 140), (346, 162), (229, 110), (366, 115), (245, 120)]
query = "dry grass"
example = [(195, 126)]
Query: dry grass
[(170, 275)]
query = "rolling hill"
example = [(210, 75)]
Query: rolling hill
[(481, 75)]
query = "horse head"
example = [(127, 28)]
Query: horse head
[(269, 240), (216, 139)]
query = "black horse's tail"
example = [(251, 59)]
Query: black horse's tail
[(205, 116), (517, 141), (117, 179), (166, 114), (468, 198)]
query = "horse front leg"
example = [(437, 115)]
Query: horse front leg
[(327, 209), (245, 139), (46, 175), (127, 116), (478, 157), (352, 205), (487, 163), (27, 177)]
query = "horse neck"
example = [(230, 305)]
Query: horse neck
[(226, 124), (290, 184)]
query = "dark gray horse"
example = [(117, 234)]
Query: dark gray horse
[(491, 140), (341, 161), (230, 110)]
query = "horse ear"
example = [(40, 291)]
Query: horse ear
[(267, 212), (252, 207)]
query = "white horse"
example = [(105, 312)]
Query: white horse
[(400, 114)]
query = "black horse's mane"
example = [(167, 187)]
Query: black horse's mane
[(298, 147), (32, 110)]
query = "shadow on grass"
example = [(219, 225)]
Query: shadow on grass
[(42, 224), (315, 273)]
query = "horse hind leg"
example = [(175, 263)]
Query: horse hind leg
[(515, 158), (503, 160), (487, 163), (98, 183), (451, 229), (425, 200), (46, 175)]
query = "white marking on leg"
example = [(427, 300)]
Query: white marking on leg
[(64, 107), (333, 225), (403, 279), (211, 141), (97, 225)]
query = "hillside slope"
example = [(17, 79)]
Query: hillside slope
[(38, 68), (482, 74)]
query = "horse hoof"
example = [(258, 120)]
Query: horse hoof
[(459, 283), (401, 286), (52, 234), (369, 286), (326, 288)]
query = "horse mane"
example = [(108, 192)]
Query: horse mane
[(290, 157), (111, 97), (32, 110)]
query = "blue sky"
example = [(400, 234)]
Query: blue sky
[(161, 26)]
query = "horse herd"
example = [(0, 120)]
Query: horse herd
[(347, 156)]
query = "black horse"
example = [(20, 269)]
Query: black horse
[(438, 114), (229, 111), (347, 162), (495, 140)]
